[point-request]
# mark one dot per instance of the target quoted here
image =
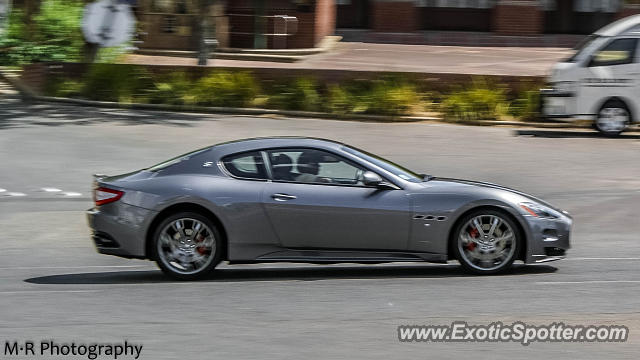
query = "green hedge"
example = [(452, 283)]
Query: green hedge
[(388, 95)]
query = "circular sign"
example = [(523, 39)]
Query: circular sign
[(108, 23)]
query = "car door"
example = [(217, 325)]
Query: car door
[(328, 207), (612, 71), (240, 196)]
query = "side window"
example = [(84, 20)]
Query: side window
[(247, 165), (617, 52), (313, 166)]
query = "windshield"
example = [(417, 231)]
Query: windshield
[(582, 46), (175, 160), (395, 169)]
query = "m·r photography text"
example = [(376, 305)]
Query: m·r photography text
[(92, 351)]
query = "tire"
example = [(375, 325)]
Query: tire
[(486, 252), (613, 118), (187, 246)]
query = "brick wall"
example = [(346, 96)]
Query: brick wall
[(313, 25), (518, 17), (394, 16), (325, 19), (304, 38), (35, 75), (628, 10)]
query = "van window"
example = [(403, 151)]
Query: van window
[(582, 47), (617, 52)]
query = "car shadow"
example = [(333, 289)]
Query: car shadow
[(571, 134), (282, 274)]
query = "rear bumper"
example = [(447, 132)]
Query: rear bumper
[(119, 229)]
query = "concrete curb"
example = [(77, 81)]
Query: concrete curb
[(271, 55), (302, 114)]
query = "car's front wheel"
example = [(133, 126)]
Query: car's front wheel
[(187, 246), (613, 118), (486, 242)]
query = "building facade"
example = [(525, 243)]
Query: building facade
[(507, 17), (296, 24), (252, 24)]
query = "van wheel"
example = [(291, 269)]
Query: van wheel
[(613, 118)]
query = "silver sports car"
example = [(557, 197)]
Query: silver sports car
[(290, 199)]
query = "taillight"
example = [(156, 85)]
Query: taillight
[(103, 195)]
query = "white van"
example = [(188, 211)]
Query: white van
[(601, 81)]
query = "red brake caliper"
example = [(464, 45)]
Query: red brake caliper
[(201, 249), (474, 234)]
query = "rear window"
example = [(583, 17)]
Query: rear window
[(248, 165)]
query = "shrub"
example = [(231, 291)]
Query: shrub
[(526, 106), (173, 89), (392, 99), (339, 101), (301, 94), (67, 88), (480, 102), (388, 96), (111, 82), (222, 88), (55, 34)]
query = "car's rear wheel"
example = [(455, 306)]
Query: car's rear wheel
[(486, 242), (187, 246), (613, 118)]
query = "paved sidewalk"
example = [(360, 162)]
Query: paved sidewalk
[(514, 61), (7, 90)]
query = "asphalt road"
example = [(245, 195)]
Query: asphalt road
[(514, 61), (54, 286)]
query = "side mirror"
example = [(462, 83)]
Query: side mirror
[(369, 178)]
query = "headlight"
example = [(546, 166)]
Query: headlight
[(564, 86), (538, 210)]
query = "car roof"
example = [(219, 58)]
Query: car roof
[(626, 26), (257, 143)]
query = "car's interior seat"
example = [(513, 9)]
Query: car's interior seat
[(282, 165)]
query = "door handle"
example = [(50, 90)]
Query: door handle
[(282, 197)]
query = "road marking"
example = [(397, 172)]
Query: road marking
[(603, 258), (71, 193), (589, 282), (70, 267), (46, 291), (15, 194), (48, 189), (2, 190)]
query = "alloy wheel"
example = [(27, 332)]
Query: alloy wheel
[(487, 242), (186, 246)]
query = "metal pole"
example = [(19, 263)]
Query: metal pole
[(207, 40)]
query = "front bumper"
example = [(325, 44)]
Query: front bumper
[(548, 239), (558, 104), (119, 229)]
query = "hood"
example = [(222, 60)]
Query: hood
[(563, 71), (495, 186)]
